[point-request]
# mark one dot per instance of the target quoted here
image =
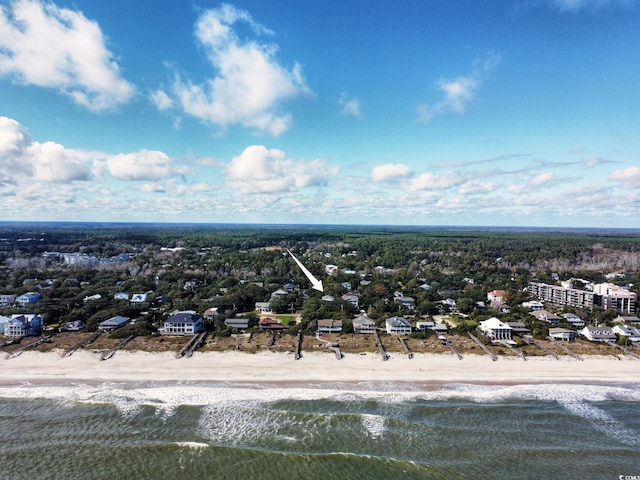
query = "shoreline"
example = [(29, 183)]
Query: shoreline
[(272, 368)]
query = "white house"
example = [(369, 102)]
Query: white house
[(627, 319), (139, 297), (89, 298), (186, 322), (398, 326), (279, 293), (573, 320), (24, 325), (351, 299), (497, 296), (262, 307), (121, 296), (495, 329), (407, 302), (632, 333), (545, 316), (599, 334), (563, 334), (363, 324), (533, 305)]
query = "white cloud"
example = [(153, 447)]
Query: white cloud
[(161, 100), (472, 187), (577, 5), (390, 172), (459, 92), (24, 161), (261, 170), (350, 106), (541, 179), (628, 177), (47, 46), (141, 165), (250, 86), (430, 181)]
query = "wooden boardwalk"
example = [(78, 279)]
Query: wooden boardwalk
[(493, 356), (18, 351), (445, 341), (69, 351), (109, 353), (565, 349), (384, 355), (405, 347), (532, 341), (298, 351), (192, 345)]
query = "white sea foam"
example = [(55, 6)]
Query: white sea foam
[(194, 445), (129, 399), (374, 424)]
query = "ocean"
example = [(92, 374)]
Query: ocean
[(319, 431)]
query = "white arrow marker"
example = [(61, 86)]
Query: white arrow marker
[(317, 284)]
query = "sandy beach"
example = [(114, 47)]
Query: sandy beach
[(137, 366)]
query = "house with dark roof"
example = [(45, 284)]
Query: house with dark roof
[(24, 325), (329, 326), (185, 323), (113, 323)]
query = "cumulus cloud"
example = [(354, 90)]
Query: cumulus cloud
[(47, 46), (460, 91), (627, 177), (390, 172), (250, 85), (430, 181), (539, 180), (142, 165), (350, 106), (261, 170), (473, 187), (23, 160)]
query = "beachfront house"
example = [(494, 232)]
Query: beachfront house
[(239, 323), (329, 326), (186, 323), (629, 319), (563, 334), (24, 325), (113, 323), (599, 334), (519, 328), (363, 324), (270, 324), (631, 333), (398, 326), (494, 329)]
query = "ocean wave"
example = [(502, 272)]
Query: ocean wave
[(165, 398)]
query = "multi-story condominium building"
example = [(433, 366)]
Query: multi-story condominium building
[(617, 298), (561, 295), (606, 295)]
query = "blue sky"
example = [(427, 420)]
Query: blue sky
[(509, 112)]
